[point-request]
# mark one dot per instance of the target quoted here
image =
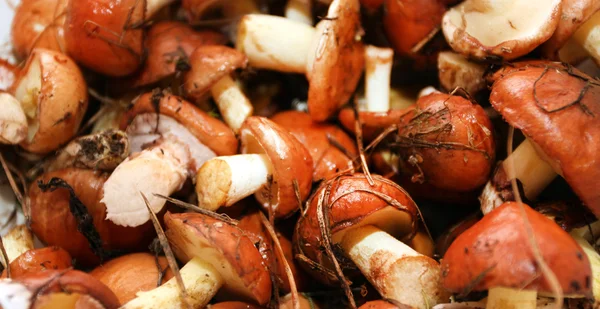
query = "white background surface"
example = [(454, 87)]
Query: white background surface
[(6, 14)]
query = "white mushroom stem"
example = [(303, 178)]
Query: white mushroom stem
[(594, 259), (507, 298), (225, 180), (378, 62), (13, 123), (201, 282), (300, 11), (396, 270), (232, 102), (153, 6), (588, 36), (288, 53), (18, 241)]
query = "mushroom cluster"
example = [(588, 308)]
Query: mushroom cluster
[(300, 154)]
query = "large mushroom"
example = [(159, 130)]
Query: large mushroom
[(495, 254), (555, 106), (366, 222), (331, 54), (271, 161)]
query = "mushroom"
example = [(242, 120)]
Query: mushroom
[(13, 122), (495, 255), (219, 257), (332, 150), (384, 304), (366, 222), (305, 302), (170, 139), (133, 273), (38, 260), (8, 74), (53, 95), (554, 105), (485, 29), (271, 160), (210, 70), (195, 10), (331, 54), (455, 71)]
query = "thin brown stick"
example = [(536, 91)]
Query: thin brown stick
[(15, 189), (5, 258), (359, 143), (221, 217), (298, 196)]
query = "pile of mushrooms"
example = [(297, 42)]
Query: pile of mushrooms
[(300, 154)]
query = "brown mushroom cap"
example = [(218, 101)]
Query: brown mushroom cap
[(336, 59), (132, 273), (208, 65), (352, 202), (383, 304), (105, 35), (495, 252), (169, 44), (36, 260), (60, 103), (38, 24), (233, 305), (289, 158), (208, 130), (8, 74), (53, 223), (328, 160), (226, 248), (556, 107)]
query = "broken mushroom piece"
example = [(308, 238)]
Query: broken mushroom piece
[(555, 106), (332, 150), (495, 254), (507, 30), (13, 122), (455, 71), (219, 258), (366, 222), (53, 95), (331, 54), (210, 70), (170, 139), (271, 160)]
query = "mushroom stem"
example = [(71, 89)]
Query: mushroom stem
[(507, 298), (530, 169), (153, 6), (18, 241), (378, 62), (201, 282), (396, 270), (218, 182), (255, 38), (300, 11), (13, 123), (233, 104), (588, 36)]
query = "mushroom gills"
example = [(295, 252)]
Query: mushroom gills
[(28, 93), (508, 298), (232, 102), (201, 282), (13, 122), (378, 64)]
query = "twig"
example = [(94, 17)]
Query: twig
[(221, 217)]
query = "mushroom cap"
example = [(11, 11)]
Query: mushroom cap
[(233, 305), (495, 252), (556, 107), (409, 23), (336, 59), (383, 304), (208, 65), (352, 202), (36, 260), (8, 74), (328, 160), (169, 44), (53, 223), (227, 248), (61, 102), (289, 158), (38, 24), (208, 130), (506, 29), (105, 35), (132, 273)]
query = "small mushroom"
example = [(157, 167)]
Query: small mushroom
[(331, 54), (332, 150), (495, 255), (53, 95), (271, 160), (484, 29), (555, 106), (13, 122), (455, 71), (366, 222)]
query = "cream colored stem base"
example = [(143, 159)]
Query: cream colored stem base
[(506, 298), (18, 241), (233, 104)]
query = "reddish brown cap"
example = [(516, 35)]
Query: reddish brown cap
[(556, 107), (289, 158), (318, 138), (336, 59), (169, 45), (496, 252), (351, 201), (36, 260), (227, 248), (208, 130), (383, 304)]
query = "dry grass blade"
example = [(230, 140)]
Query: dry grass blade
[(360, 145), (168, 252), (222, 217), (5, 258), (15, 189), (298, 196)]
